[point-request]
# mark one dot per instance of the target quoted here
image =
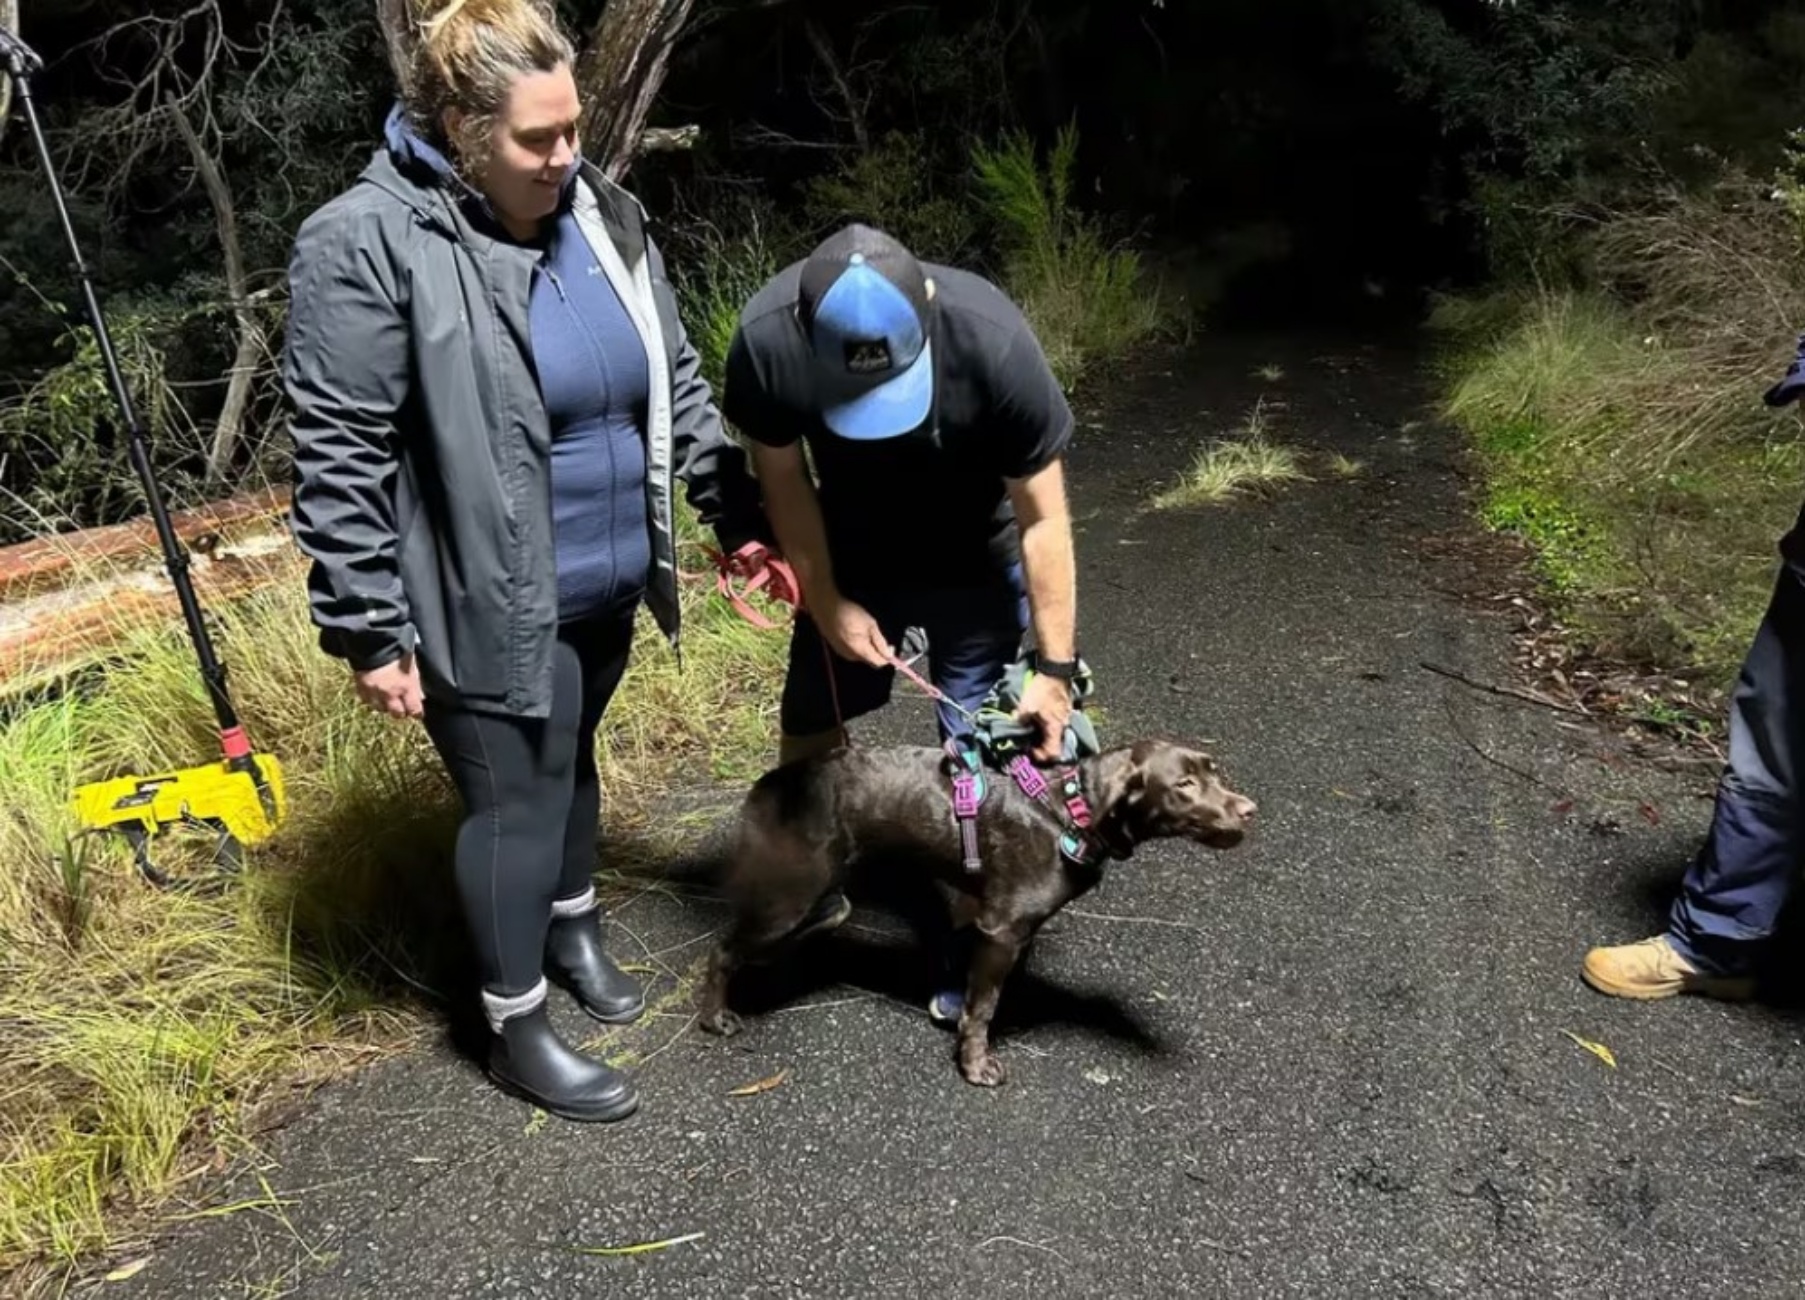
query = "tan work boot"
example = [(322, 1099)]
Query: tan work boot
[(1651, 970)]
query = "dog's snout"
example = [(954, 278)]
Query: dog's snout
[(1244, 808)]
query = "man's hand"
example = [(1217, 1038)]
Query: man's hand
[(393, 689), (853, 633), (1047, 701)]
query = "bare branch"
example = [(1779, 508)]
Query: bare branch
[(175, 79), (227, 430), (669, 139), (711, 14), (855, 111), (756, 135)]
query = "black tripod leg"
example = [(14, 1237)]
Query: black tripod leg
[(21, 63)]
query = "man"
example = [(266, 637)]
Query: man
[(937, 432), (1731, 898)]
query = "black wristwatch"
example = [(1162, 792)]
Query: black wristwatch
[(1064, 669)]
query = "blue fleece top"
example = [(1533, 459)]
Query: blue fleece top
[(594, 375), (595, 379)]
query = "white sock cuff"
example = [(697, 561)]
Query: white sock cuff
[(501, 1009), (579, 905)]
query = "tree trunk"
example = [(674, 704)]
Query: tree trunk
[(9, 19), (250, 334), (391, 16), (620, 74)]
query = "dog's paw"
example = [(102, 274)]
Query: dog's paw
[(985, 1071), (723, 1023)]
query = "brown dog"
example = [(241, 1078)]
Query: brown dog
[(802, 824)]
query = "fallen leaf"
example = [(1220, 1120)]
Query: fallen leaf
[(536, 1123), (1649, 813), (1096, 1076), (642, 1248), (126, 1271), (1599, 1050), (763, 1085), (1564, 807)]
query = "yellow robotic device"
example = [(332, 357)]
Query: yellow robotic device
[(239, 803)]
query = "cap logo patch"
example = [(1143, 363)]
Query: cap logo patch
[(867, 356)]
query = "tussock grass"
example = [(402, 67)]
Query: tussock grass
[(727, 260), (1089, 299), (1249, 464), (142, 1032)]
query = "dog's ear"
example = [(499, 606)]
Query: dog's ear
[(1119, 817)]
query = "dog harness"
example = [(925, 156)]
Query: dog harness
[(1070, 809)]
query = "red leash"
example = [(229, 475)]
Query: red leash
[(760, 569)]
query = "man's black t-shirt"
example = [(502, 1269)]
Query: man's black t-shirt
[(902, 512)]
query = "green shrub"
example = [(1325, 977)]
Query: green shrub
[(896, 187)]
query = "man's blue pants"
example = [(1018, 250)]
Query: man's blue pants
[(1738, 884)]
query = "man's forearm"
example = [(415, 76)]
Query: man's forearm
[(1051, 572), (1047, 559), (795, 514)]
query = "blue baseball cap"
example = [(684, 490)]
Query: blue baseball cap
[(863, 303), (1792, 386)]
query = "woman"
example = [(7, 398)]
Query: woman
[(492, 394)]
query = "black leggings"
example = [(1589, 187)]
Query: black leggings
[(532, 802)]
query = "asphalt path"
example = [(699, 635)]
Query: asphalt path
[(1345, 1059)]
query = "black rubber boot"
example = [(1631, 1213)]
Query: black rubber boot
[(528, 1060), (575, 960)]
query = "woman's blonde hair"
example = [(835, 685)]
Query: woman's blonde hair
[(467, 54)]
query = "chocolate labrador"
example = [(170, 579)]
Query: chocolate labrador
[(803, 824)]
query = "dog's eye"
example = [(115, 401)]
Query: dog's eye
[(1189, 782)]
